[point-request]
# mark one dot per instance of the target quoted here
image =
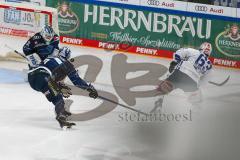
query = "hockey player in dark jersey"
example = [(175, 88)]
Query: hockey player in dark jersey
[(47, 78), (40, 46)]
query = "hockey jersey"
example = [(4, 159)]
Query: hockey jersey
[(38, 45), (193, 63), (53, 62)]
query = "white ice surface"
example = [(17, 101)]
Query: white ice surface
[(28, 130)]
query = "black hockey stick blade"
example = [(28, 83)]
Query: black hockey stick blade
[(122, 105), (220, 84)]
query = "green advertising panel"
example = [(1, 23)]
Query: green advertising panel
[(149, 29)]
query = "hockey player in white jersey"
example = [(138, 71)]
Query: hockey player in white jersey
[(187, 69)]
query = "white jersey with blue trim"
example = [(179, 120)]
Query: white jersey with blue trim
[(193, 63)]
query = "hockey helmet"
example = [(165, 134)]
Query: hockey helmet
[(206, 48), (47, 33), (65, 52)]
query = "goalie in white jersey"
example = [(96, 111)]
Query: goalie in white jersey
[(187, 68)]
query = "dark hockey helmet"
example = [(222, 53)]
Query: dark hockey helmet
[(47, 33), (65, 52)]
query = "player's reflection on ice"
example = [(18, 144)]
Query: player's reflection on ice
[(122, 85)]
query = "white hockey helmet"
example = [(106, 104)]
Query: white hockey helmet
[(47, 33), (65, 52), (206, 48)]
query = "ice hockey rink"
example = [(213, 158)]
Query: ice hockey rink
[(29, 131)]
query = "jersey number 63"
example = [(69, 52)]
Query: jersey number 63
[(202, 64)]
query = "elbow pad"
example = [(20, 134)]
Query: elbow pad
[(172, 66)]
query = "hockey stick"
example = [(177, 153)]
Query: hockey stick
[(220, 84), (124, 106), (15, 51)]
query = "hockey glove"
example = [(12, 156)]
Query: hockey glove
[(172, 66), (59, 88), (92, 91), (165, 87), (64, 90)]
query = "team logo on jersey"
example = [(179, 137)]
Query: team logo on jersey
[(68, 21), (228, 42)]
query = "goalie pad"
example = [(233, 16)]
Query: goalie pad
[(33, 60)]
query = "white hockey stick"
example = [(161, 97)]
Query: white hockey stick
[(220, 84)]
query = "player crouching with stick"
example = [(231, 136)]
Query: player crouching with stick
[(47, 77), (187, 69)]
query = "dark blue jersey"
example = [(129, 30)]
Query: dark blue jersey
[(37, 44), (54, 62)]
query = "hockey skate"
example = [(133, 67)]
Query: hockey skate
[(62, 120)]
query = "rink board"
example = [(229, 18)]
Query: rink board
[(148, 30)]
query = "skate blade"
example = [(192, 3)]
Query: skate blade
[(68, 127)]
